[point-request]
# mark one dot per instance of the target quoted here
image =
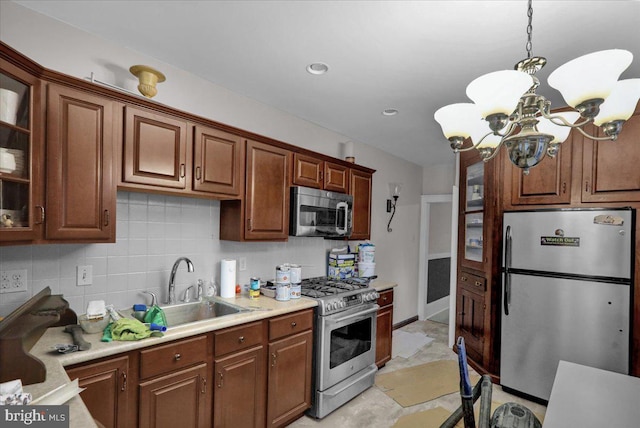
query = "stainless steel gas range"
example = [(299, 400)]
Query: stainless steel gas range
[(344, 340)]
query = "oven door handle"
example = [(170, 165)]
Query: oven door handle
[(357, 315)]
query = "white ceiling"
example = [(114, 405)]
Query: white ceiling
[(415, 56)]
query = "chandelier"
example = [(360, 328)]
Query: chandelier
[(522, 121)]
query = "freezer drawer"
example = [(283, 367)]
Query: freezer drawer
[(553, 319), (570, 242)]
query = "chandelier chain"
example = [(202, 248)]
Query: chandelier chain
[(529, 30)]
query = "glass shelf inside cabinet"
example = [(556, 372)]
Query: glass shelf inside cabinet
[(473, 236), (475, 187), (15, 149)]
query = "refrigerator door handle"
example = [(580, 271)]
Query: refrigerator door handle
[(507, 268)]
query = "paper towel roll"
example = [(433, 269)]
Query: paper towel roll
[(227, 278)]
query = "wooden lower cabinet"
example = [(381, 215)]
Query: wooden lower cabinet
[(239, 382), (107, 387), (289, 386), (289, 367), (178, 399), (384, 328), (470, 317)]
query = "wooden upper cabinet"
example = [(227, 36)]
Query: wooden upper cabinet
[(610, 171), (307, 171), (21, 138), (313, 172), (218, 164), (267, 192), (80, 188), (155, 149), (360, 188), (336, 177), (549, 182)]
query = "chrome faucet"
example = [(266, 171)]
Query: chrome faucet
[(172, 278)]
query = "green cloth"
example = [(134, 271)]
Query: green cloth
[(106, 333), (131, 329), (155, 315)]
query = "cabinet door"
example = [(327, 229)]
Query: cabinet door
[(289, 387), (610, 168), (549, 182), (217, 161), (472, 225), (336, 177), (106, 386), (307, 171), (155, 149), (81, 193), (360, 189), (470, 322), (239, 383), (384, 331), (21, 186), (267, 194), (176, 400)]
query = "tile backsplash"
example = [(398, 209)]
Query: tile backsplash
[(152, 232)]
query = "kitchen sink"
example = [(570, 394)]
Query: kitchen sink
[(185, 313)]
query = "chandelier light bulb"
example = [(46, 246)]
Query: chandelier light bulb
[(621, 103), (591, 76), (499, 92)]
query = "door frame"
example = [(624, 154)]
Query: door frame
[(427, 309)]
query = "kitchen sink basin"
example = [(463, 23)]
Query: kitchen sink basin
[(185, 313)]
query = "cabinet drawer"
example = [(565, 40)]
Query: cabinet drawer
[(386, 298), (472, 282), (237, 338), (290, 324), (173, 356)]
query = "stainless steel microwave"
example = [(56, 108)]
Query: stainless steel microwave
[(316, 212)]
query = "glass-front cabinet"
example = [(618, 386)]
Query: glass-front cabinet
[(18, 90), (473, 213)]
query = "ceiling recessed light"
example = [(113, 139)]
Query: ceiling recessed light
[(390, 112), (317, 68)]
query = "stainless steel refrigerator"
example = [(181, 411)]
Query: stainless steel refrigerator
[(566, 294)]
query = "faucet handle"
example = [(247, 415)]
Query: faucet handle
[(154, 299), (187, 294), (200, 290)]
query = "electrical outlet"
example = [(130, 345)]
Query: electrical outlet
[(13, 281), (84, 275), (242, 264)]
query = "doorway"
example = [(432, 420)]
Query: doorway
[(436, 243)]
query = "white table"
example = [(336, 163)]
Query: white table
[(586, 397)]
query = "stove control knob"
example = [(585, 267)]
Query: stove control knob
[(341, 304)]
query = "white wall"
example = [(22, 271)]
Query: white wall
[(154, 230)]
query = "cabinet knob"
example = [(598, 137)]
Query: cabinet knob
[(241, 339), (293, 324), (384, 298), (107, 217), (124, 382), (41, 208), (220, 379), (274, 357), (198, 173), (177, 357), (204, 385), (478, 283), (183, 170), (463, 278)]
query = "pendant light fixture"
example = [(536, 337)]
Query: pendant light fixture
[(521, 120)]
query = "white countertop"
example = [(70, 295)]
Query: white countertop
[(381, 285), (265, 307), (587, 397)]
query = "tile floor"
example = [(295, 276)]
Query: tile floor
[(374, 409)]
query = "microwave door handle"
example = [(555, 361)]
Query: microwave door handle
[(343, 205)]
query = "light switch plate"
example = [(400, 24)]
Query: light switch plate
[(242, 264), (84, 275)]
